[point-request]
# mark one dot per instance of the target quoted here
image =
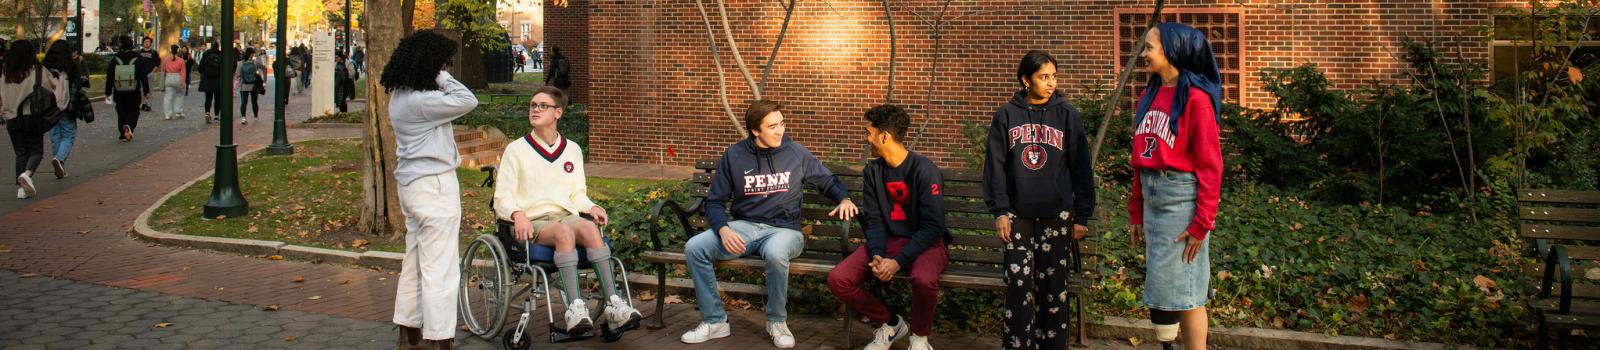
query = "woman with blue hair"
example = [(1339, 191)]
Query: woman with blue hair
[(1177, 181)]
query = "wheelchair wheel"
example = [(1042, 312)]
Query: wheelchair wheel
[(485, 286)]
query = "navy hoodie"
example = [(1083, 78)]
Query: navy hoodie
[(1037, 164), (764, 183)]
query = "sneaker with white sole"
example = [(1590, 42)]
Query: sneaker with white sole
[(60, 167), (706, 331), (21, 194), (781, 336), (620, 313), (578, 321), (886, 335), (26, 181), (919, 343)]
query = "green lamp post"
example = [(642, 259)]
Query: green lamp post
[(280, 136), (226, 199)]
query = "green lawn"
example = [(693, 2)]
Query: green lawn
[(306, 199), (97, 85)]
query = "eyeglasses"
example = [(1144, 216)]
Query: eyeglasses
[(541, 107)]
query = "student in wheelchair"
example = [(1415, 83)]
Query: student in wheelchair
[(540, 190)]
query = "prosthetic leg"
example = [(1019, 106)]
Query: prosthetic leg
[(1166, 327)]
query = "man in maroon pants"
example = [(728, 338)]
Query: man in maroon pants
[(903, 218)]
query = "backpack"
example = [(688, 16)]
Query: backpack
[(252, 73), (41, 102), (210, 63), (126, 75)]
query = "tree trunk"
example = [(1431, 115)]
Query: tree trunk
[(380, 210), (408, 9), (171, 25)]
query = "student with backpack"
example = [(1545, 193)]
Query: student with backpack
[(31, 99), (149, 58), (68, 61), (211, 80), (250, 80), (126, 88)]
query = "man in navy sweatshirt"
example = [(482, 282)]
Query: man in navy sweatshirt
[(762, 175), (904, 224)]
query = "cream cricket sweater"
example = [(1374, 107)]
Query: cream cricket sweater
[(537, 178)]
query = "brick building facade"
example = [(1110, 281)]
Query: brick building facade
[(648, 75)]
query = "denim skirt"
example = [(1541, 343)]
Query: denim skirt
[(1170, 283)]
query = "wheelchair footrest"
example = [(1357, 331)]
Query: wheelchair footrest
[(613, 335), (560, 335)]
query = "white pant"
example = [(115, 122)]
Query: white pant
[(173, 102), (430, 275)]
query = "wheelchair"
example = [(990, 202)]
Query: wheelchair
[(491, 285)]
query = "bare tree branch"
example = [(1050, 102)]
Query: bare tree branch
[(722, 77), (893, 52), (788, 12), (734, 47), (933, 70), (1122, 83)]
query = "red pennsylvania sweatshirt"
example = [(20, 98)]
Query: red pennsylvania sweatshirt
[(1195, 148)]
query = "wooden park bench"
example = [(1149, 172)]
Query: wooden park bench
[(976, 260), (1563, 230)]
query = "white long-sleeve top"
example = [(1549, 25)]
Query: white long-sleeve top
[(425, 143), (537, 178), (12, 94)]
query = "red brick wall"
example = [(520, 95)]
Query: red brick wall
[(568, 28), (654, 85)]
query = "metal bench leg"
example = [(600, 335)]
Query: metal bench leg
[(1083, 332), (849, 317), (1544, 331), (661, 297)]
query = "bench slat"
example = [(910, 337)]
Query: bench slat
[(951, 204), (1560, 232), (706, 164), (1578, 307), (1560, 214), (1558, 196), (1589, 322), (954, 278)]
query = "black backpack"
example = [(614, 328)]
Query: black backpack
[(41, 103)]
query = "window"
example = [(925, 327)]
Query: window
[(1224, 28), (525, 29), (1511, 52)]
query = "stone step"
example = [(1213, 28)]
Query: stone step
[(479, 145), (482, 158)]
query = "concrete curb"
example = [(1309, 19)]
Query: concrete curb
[(1108, 328), (143, 231)]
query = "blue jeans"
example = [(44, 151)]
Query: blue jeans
[(776, 245), (62, 136)]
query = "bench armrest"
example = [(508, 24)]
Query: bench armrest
[(844, 241), (1558, 255), (666, 206)]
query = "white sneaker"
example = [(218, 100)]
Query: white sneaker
[(706, 331), (26, 181), (578, 321), (21, 194), (619, 313), (919, 343), (886, 335), (781, 336)]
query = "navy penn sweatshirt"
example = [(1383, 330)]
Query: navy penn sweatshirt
[(1037, 165), (905, 201), (765, 184)]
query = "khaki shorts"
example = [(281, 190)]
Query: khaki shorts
[(538, 222)]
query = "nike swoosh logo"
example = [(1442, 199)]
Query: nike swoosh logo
[(747, 172)]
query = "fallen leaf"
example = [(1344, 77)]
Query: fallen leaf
[(1592, 273), (1223, 275), (1575, 74), (270, 307), (383, 278), (673, 300), (298, 279), (289, 338), (358, 243), (1134, 341), (275, 257), (163, 325), (1360, 303), (647, 295), (478, 226), (1485, 284), (345, 282), (84, 232), (315, 297), (252, 228), (26, 275)]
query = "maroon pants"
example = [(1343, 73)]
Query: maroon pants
[(846, 282)]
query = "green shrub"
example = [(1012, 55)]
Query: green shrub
[(96, 63), (511, 118)]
